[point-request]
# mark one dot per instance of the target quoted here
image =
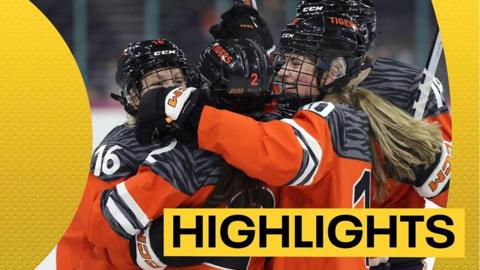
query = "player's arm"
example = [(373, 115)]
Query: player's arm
[(122, 208), (131, 205), (296, 151), (169, 178), (439, 180), (433, 182), (111, 164), (286, 152), (435, 108)]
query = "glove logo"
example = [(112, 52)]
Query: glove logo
[(444, 173), (173, 100), (142, 250)]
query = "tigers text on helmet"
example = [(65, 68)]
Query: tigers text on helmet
[(361, 10), (320, 55), (238, 73), (148, 64)]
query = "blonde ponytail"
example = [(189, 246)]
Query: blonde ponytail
[(405, 143)]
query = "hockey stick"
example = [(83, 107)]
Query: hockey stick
[(429, 81)]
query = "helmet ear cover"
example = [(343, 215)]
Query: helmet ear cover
[(238, 75)]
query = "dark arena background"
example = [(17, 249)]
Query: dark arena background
[(97, 31)]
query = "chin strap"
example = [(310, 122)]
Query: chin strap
[(120, 98)]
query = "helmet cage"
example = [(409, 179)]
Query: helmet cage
[(145, 59), (337, 54)]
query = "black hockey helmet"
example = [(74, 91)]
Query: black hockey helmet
[(361, 10), (143, 57), (332, 44), (238, 74)]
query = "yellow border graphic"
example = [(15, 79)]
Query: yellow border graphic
[(45, 135), (46, 131), (458, 21)]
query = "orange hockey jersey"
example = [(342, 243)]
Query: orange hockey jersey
[(121, 198), (88, 242), (321, 157)]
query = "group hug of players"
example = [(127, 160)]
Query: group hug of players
[(314, 123)]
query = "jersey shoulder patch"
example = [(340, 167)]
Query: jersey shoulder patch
[(185, 167), (119, 154), (349, 129)]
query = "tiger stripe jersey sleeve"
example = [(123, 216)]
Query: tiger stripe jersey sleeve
[(116, 159), (133, 204), (169, 177), (296, 151), (122, 208)]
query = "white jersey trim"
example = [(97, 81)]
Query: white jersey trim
[(314, 151), (132, 204), (120, 217)]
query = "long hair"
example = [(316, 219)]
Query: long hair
[(405, 144)]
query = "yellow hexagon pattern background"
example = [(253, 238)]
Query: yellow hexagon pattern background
[(459, 26), (45, 136)]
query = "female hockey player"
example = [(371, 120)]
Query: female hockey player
[(402, 85), (89, 243), (181, 175), (399, 83)]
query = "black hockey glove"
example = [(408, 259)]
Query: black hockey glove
[(146, 249), (241, 22), (171, 112)]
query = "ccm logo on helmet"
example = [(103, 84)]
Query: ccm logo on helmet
[(287, 35), (165, 52), (312, 9), (343, 22), (222, 53)]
